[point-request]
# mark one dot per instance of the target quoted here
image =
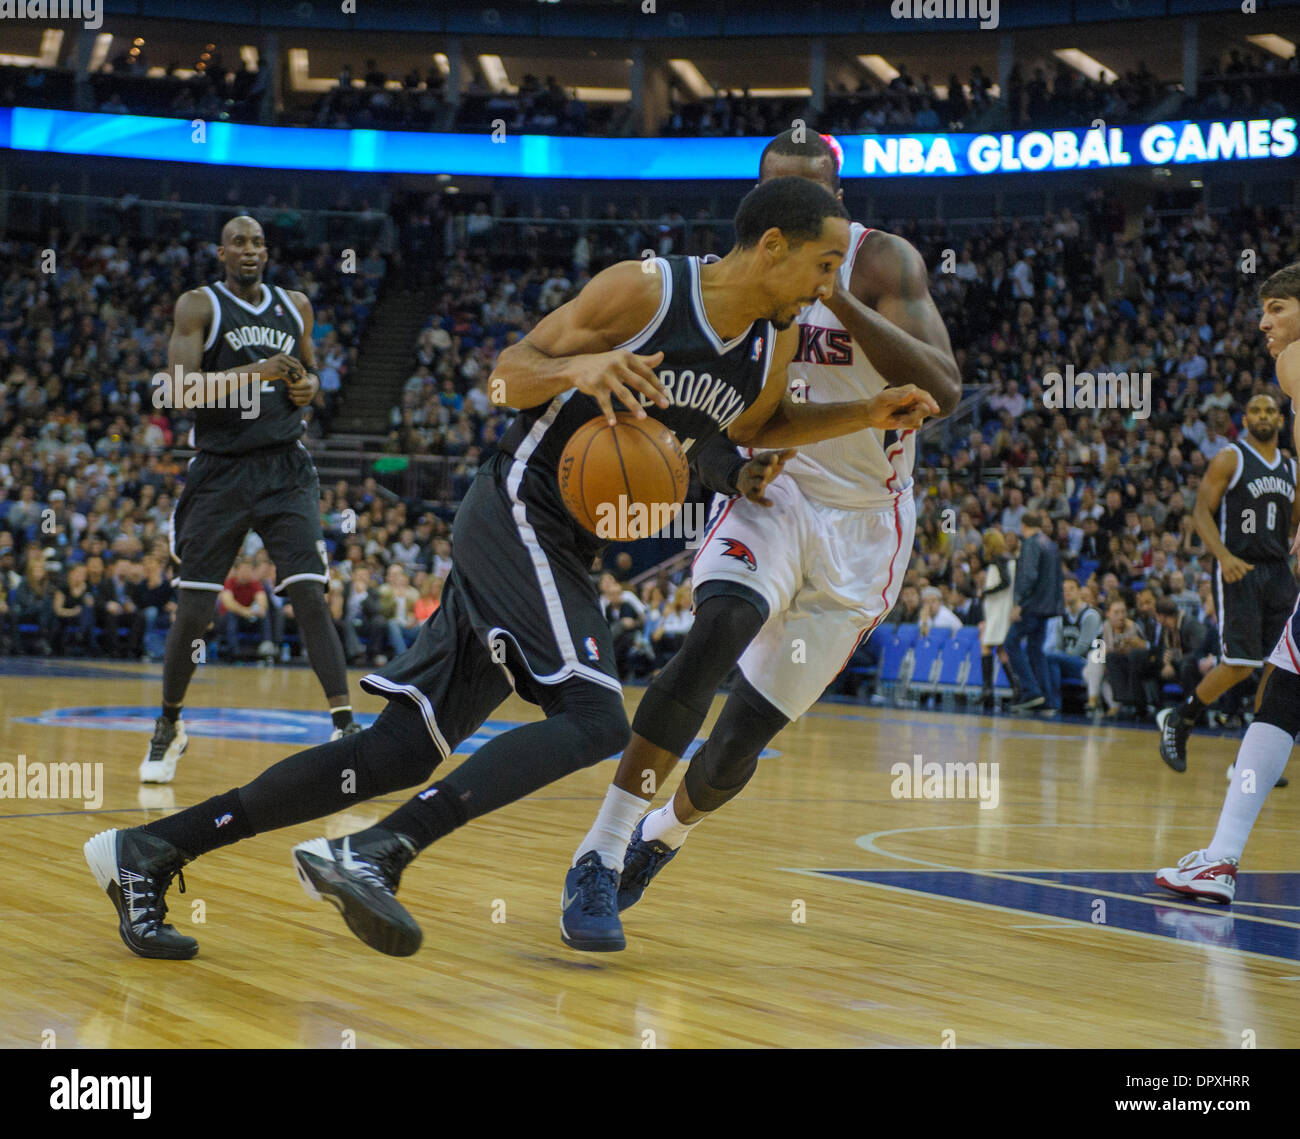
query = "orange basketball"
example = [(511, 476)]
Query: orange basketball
[(624, 482)]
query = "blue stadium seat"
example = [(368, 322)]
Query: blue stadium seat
[(955, 662), (893, 654), (925, 661)]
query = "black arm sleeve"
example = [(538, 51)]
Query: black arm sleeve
[(718, 464), (1004, 580)]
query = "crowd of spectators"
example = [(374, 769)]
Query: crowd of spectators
[(1245, 83), (88, 478), (1161, 294), (1114, 490)]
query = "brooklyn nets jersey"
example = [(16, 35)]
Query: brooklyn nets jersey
[(1255, 513), (240, 335), (867, 469), (709, 381)]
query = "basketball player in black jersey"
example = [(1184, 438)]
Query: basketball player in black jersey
[(250, 473), (1246, 512), (693, 345)]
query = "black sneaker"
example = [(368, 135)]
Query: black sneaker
[(361, 880), (1173, 738), (643, 860), (135, 869)]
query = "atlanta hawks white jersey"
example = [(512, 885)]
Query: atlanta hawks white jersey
[(867, 469)]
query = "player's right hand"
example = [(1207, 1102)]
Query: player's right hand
[(606, 376), (282, 367), (756, 474), (1234, 569)]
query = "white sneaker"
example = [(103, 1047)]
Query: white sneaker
[(1282, 780), (338, 733), (1201, 877), (165, 750)]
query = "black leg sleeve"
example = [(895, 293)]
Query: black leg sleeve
[(194, 610), (319, 638)]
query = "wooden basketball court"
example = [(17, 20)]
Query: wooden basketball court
[(1027, 924)]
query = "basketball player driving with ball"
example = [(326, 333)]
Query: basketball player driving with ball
[(823, 566), (518, 610)]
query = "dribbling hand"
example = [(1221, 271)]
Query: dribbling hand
[(606, 376)]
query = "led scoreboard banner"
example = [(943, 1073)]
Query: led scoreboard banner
[(501, 154)]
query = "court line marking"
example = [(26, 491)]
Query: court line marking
[(868, 842), (1047, 925), (1163, 939)]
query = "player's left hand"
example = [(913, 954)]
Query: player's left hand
[(303, 391), (900, 409), (1295, 543), (756, 474)]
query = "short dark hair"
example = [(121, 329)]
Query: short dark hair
[(803, 144), (796, 206), (1283, 283), (1167, 607)]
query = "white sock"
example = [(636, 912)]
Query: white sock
[(1264, 751), (612, 830), (663, 826)]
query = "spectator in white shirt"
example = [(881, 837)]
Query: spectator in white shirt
[(935, 614)]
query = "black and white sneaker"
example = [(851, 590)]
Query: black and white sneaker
[(135, 869), (361, 880), (1173, 738), (165, 750), (350, 729), (1026, 705)]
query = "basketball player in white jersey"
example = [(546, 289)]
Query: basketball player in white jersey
[(1211, 873), (787, 585)]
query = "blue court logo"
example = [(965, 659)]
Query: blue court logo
[(260, 725), (1264, 918)]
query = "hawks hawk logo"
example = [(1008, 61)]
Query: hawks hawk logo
[(741, 552)]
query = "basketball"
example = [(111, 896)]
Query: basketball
[(623, 482)]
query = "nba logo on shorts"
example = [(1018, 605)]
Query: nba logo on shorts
[(593, 653)]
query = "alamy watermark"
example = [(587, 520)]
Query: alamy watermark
[(227, 390), (89, 12), (1089, 391), (919, 780), (36, 780), (985, 11), (627, 521)]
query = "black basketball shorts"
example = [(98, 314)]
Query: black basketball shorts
[(518, 609), (274, 491), (1253, 611)]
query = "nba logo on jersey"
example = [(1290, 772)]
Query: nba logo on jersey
[(278, 310), (757, 350), (593, 653)]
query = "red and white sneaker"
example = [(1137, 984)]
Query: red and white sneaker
[(1215, 880)]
